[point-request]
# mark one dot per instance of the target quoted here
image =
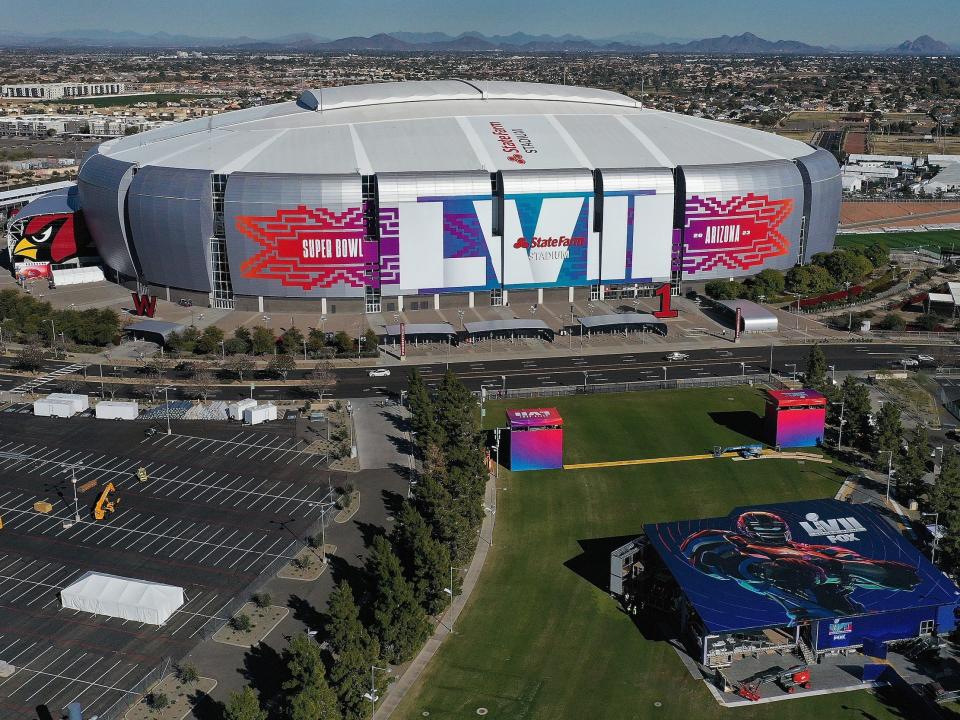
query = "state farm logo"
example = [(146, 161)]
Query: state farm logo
[(549, 248), (514, 142)]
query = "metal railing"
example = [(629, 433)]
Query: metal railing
[(763, 380), (133, 696)]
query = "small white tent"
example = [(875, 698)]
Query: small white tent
[(137, 600)]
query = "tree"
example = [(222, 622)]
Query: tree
[(343, 342), (241, 623), (291, 341), (280, 365), (202, 386), (157, 367), (320, 379), (808, 280), (723, 289), (243, 705), (187, 673), (426, 561), (370, 340), (422, 411), (242, 334), (354, 650), (945, 500), (768, 283), (889, 430), (892, 321), (30, 357), (856, 401), (398, 620), (912, 465), (235, 346), (262, 340), (239, 364), (877, 254), (316, 341), (816, 369), (343, 618), (209, 341)]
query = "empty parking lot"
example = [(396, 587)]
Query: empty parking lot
[(218, 506)]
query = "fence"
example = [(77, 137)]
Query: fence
[(640, 386), (129, 699)]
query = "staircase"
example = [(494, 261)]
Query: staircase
[(809, 657)]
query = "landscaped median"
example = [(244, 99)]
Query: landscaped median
[(252, 623), (174, 697)]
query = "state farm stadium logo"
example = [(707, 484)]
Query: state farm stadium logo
[(306, 247), (514, 142), (549, 248), (736, 234)]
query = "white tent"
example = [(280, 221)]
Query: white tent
[(137, 600)]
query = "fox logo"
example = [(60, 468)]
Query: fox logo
[(517, 158), (521, 243)]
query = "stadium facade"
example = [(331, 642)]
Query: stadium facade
[(410, 195)]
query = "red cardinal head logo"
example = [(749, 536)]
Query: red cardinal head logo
[(45, 238)]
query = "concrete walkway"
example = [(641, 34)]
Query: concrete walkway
[(396, 692), (380, 442)]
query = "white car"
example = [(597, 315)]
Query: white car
[(925, 358), (908, 362), (379, 372), (676, 356)]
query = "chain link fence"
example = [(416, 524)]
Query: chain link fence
[(132, 697)]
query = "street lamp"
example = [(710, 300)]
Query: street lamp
[(889, 470), (304, 349), (936, 533), (73, 481), (840, 431), (794, 372), (166, 400), (833, 373), (585, 373), (223, 351), (664, 368), (503, 380), (743, 369), (53, 334), (372, 695)]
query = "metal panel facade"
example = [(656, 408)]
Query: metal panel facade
[(637, 229), (740, 219), (547, 228), (824, 193), (436, 233), (298, 235), (171, 222), (102, 185)]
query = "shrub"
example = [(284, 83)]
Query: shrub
[(157, 700), (892, 321), (241, 623), (262, 599), (187, 674)]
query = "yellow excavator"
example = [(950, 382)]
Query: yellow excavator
[(104, 503)]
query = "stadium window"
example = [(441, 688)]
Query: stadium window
[(496, 297)]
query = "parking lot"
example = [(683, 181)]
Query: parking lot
[(218, 507)]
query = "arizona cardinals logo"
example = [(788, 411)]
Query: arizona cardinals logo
[(44, 238), (307, 248), (738, 234)]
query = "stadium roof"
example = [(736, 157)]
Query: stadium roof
[(448, 126), (420, 329), (618, 320), (493, 326), (756, 318), (881, 570)]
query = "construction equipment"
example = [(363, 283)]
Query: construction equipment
[(88, 485), (745, 451), (788, 680), (104, 503), (42, 506)]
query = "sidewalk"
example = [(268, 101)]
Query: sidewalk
[(395, 693)]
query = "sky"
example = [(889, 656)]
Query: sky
[(843, 23)]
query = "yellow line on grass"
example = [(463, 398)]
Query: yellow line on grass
[(645, 461)]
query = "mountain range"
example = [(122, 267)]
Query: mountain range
[(744, 44)]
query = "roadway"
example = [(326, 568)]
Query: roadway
[(543, 371)]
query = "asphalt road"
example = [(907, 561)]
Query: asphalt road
[(544, 371)]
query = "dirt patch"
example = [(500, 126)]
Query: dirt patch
[(181, 698), (262, 622)]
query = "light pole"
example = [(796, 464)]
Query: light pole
[(889, 470), (503, 386), (53, 334), (585, 373), (166, 400), (223, 351), (304, 349), (936, 533), (73, 481), (743, 369), (840, 430), (794, 371), (833, 373), (664, 368), (372, 695), (798, 306)]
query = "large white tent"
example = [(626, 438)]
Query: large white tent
[(124, 598)]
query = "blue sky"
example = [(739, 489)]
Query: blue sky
[(825, 22)]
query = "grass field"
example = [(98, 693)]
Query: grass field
[(903, 241), (540, 637), (127, 100)]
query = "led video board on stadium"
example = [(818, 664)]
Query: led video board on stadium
[(637, 234), (436, 233), (298, 235), (547, 221)]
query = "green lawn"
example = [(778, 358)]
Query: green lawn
[(540, 637), (930, 239)]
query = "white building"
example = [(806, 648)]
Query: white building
[(58, 91)]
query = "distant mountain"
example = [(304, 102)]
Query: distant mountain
[(116, 39), (641, 39), (744, 44), (923, 45)]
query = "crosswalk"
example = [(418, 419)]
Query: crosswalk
[(36, 383)]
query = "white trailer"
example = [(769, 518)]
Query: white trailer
[(259, 413), (117, 410), (235, 410), (53, 408), (79, 402)]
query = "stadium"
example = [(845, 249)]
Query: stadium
[(436, 194)]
